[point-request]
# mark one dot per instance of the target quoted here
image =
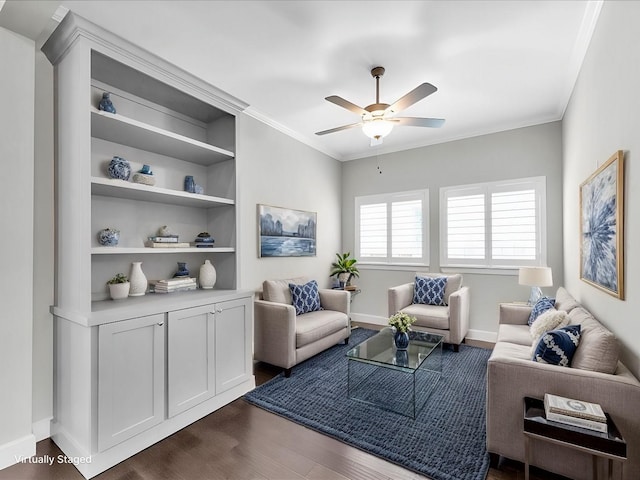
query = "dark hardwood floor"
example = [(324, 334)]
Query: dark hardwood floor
[(241, 441)]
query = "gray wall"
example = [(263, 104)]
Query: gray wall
[(274, 169), (603, 116), (16, 244), (524, 152)]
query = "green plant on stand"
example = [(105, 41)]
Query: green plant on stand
[(344, 267)]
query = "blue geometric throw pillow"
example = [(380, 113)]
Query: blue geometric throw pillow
[(429, 291), (542, 305), (558, 346), (306, 298)]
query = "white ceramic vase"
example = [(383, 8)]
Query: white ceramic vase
[(207, 275), (138, 280), (118, 291)]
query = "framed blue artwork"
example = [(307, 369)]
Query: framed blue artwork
[(283, 232), (601, 227)]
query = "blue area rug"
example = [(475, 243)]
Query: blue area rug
[(446, 441)]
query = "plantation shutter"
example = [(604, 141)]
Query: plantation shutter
[(406, 229), (373, 230), (466, 227), (513, 225)]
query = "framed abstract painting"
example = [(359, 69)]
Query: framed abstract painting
[(601, 227), (283, 232)]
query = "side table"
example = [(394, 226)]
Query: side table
[(610, 446)]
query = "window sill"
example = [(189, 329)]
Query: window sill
[(402, 267), (480, 270)]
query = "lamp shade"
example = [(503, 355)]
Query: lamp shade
[(377, 128), (535, 276)]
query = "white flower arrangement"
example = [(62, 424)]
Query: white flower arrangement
[(401, 321)]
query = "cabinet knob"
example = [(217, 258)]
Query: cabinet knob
[(160, 324), (219, 310)]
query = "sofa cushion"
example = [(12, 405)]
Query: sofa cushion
[(454, 282), (278, 290), (557, 347), (518, 334), (564, 300), (542, 305), (429, 316), (599, 349), (549, 320), (314, 326), (305, 298), (429, 291)]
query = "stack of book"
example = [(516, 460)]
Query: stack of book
[(165, 241), (575, 412), (181, 284)]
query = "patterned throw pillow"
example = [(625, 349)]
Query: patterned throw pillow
[(542, 305), (558, 346), (305, 298), (429, 290)]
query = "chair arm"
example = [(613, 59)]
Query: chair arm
[(459, 315), (514, 314), (275, 333), (400, 297), (336, 300)]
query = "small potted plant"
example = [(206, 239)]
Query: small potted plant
[(400, 323), (344, 267), (119, 286)]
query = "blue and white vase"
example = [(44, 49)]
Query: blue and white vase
[(109, 237), (401, 340), (183, 271), (189, 184), (119, 168), (105, 103)]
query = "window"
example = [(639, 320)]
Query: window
[(498, 224), (392, 228)]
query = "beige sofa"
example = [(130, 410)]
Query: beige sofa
[(450, 320), (596, 375), (285, 339)]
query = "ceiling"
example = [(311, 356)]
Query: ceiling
[(497, 65)]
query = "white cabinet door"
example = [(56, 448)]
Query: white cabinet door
[(233, 343), (130, 378), (191, 372)]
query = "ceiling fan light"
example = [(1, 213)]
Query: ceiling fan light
[(377, 128)]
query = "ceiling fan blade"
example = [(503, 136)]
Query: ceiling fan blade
[(341, 102), (419, 122), (415, 95), (337, 129)]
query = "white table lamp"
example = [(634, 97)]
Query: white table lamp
[(535, 277)]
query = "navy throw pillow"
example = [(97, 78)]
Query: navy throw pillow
[(305, 298), (542, 305), (558, 346), (429, 291)]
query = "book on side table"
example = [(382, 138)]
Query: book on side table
[(575, 412)]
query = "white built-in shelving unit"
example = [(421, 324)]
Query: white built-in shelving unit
[(133, 371)]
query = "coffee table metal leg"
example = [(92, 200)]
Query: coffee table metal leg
[(526, 457)]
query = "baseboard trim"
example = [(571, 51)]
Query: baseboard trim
[(17, 450), (42, 428), (481, 335)]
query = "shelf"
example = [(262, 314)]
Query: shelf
[(109, 187), (127, 131), (145, 250)]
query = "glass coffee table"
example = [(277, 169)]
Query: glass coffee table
[(397, 380)]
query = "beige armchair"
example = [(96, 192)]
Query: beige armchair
[(451, 320), (285, 339)]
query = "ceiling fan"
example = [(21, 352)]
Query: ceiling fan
[(378, 118)]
